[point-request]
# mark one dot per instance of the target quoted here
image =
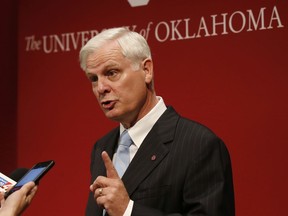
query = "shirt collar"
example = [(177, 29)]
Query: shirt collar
[(140, 130)]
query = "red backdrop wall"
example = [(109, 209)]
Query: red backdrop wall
[(218, 62), (8, 86)]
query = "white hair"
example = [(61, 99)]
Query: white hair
[(133, 45)]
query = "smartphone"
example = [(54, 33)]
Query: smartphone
[(34, 174)]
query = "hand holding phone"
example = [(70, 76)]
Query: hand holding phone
[(34, 174)]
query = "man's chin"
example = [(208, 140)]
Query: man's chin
[(112, 115)]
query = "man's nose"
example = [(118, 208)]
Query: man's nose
[(102, 86)]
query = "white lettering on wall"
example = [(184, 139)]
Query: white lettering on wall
[(169, 30)]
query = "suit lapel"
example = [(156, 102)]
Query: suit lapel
[(152, 151), (108, 144)]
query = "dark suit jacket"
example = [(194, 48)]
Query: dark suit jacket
[(181, 168)]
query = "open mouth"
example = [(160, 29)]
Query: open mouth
[(108, 104)]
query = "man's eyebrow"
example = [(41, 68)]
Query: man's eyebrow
[(111, 65), (90, 74)]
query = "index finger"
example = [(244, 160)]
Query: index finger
[(110, 169)]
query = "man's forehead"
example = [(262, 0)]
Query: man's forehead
[(95, 64)]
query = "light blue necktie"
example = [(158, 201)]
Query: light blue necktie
[(122, 155)]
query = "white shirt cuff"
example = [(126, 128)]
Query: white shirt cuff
[(129, 208)]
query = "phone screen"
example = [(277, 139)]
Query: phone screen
[(31, 176)]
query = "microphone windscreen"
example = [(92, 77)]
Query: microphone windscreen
[(17, 174)]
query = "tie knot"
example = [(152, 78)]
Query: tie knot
[(125, 139)]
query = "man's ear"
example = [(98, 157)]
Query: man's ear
[(147, 67)]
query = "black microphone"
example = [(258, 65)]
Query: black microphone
[(18, 173)]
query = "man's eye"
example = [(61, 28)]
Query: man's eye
[(111, 73), (93, 78)]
